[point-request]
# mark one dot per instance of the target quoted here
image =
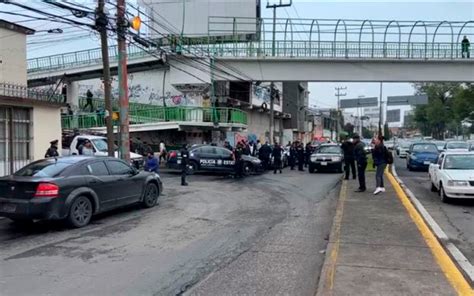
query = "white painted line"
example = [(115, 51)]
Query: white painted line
[(452, 250)]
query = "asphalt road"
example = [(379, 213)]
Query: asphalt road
[(262, 235), (456, 219)]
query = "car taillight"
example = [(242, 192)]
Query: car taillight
[(47, 190)]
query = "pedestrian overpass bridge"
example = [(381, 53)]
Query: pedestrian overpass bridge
[(302, 50)]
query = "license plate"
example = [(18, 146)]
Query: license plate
[(427, 162), (8, 208), (179, 161), (324, 163)]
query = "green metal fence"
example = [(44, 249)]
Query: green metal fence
[(161, 114)]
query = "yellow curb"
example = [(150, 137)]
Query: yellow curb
[(452, 273), (328, 273)]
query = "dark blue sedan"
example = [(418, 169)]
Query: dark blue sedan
[(421, 155)]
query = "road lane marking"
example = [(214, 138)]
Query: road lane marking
[(452, 273), (329, 270)]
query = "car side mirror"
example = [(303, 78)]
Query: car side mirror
[(133, 171)]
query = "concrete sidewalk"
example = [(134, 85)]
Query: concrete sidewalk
[(375, 248)]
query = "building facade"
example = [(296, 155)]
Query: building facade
[(29, 120)]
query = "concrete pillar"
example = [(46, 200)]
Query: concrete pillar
[(73, 94)]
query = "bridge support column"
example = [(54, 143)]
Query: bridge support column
[(73, 94)]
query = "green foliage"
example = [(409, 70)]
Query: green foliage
[(349, 129), (448, 105), (366, 133)]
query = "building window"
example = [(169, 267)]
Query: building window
[(15, 139)]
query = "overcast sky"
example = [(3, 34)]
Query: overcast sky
[(322, 94)]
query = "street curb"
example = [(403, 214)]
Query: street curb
[(456, 255), (327, 272)]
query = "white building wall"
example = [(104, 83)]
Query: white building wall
[(145, 87), (12, 57), (46, 127)]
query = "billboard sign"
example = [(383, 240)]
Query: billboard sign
[(359, 103), (407, 100)]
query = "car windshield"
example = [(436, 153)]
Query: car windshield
[(439, 144), (405, 145), (329, 149), (425, 148), (101, 144), (459, 162), (458, 145), (42, 169)]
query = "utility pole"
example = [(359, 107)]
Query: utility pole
[(272, 85), (101, 24), (338, 94), (380, 110), (122, 76)]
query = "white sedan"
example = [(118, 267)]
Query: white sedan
[(453, 175)]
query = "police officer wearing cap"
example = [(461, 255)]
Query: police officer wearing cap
[(184, 153), (52, 150)]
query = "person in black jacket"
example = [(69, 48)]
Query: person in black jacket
[(184, 153), (349, 161), (300, 153), (361, 158), (52, 150), (276, 153), (239, 151), (264, 155), (308, 151), (293, 156)]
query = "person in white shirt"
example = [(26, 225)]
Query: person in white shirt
[(162, 150)]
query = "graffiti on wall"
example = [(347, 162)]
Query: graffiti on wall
[(147, 95), (235, 137)]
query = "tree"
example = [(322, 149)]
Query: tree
[(366, 133), (349, 129), (435, 118)]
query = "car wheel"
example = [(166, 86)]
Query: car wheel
[(311, 169), (192, 168), (80, 212), (247, 169), (442, 194), (150, 197), (433, 188)]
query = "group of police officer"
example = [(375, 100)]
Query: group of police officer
[(299, 154)]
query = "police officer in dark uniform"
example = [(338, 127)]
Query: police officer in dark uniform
[(52, 150), (184, 153), (239, 151), (349, 160), (361, 158), (293, 155), (276, 153), (300, 153)]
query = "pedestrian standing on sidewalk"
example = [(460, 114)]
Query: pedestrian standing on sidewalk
[(361, 158), (465, 44), (349, 162), (238, 167), (264, 155), (276, 153), (308, 151), (162, 150), (381, 157)]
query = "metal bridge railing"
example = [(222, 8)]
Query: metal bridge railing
[(161, 114), (22, 91), (312, 38)]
